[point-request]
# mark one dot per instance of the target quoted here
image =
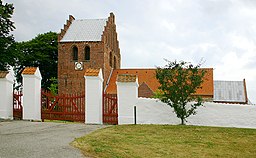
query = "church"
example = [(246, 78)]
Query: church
[(83, 44), (92, 44)]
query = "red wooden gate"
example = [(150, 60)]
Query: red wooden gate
[(63, 107), (17, 105), (110, 111)]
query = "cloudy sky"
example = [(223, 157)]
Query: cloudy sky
[(221, 32)]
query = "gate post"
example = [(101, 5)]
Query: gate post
[(127, 94), (93, 96), (31, 93), (6, 95)]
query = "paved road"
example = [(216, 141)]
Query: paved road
[(41, 139)]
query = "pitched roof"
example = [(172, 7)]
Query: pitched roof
[(3, 74), (92, 72), (148, 77), (145, 91), (229, 91), (85, 30), (126, 78)]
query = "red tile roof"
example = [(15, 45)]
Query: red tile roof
[(145, 91), (148, 77), (29, 71), (92, 72)]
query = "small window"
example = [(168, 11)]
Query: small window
[(75, 53), (87, 53), (110, 59), (114, 62)]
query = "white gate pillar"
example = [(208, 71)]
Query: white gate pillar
[(93, 96), (127, 96), (31, 93), (6, 95)]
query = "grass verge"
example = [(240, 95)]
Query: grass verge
[(168, 141), (60, 121)]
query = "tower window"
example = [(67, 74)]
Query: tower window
[(75, 53), (110, 59), (87, 53)]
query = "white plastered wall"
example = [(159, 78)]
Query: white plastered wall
[(153, 111), (32, 96), (6, 97), (127, 94), (93, 99)]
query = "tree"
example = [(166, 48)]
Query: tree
[(7, 55), (42, 52), (178, 82)]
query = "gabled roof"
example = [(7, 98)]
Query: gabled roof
[(144, 75), (92, 72), (230, 91), (145, 91), (85, 30), (148, 77)]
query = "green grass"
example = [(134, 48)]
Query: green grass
[(60, 121), (168, 141)]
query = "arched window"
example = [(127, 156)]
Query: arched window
[(87, 53), (110, 59), (75, 53), (114, 62)]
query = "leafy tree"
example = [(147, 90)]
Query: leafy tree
[(178, 82), (7, 55), (53, 86), (42, 52)]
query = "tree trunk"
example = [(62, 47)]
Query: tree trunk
[(182, 121)]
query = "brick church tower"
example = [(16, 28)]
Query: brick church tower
[(83, 44)]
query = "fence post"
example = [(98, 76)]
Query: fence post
[(127, 94), (31, 93), (93, 96), (6, 95)]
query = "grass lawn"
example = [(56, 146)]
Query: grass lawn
[(168, 141), (60, 121)]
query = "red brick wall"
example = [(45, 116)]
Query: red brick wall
[(111, 44), (66, 65), (71, 80)]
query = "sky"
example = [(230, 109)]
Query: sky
[(221, 33)]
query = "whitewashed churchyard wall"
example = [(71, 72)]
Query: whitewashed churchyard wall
[(6, 95), (153, 111)]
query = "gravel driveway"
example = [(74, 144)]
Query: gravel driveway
[(41, 139)]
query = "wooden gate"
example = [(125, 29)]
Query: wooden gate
[(110, 111), (63, 107), (17, 105)]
